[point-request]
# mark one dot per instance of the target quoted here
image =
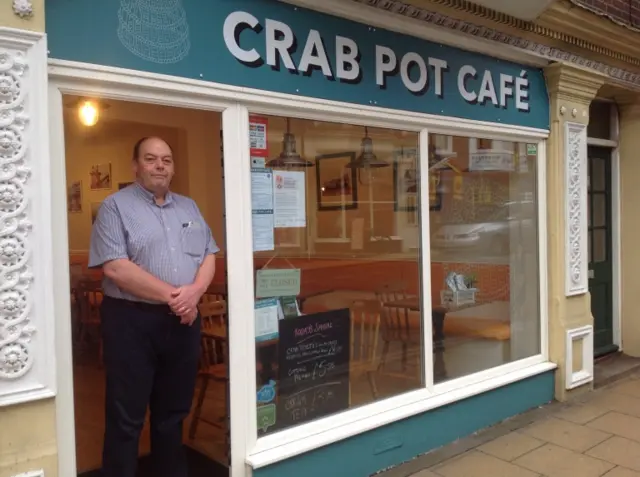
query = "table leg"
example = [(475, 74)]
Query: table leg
[(437, 320), (438, 316)]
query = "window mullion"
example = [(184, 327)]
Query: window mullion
[(239, 247), (425, 262)]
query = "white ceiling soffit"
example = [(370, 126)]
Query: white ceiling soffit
[(524, 9)]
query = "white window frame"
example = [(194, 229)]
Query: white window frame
[(235, 103)]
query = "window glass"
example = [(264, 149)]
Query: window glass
[(338, 321), (484, 256)]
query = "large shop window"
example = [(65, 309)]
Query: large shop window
[(484, 254), (337, 224)]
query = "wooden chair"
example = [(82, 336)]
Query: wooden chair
[(365, 331), (214, 320), (89, 295), (75, 277), (396, 325), (209, 297), (213, 365)]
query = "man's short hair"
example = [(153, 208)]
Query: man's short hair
[(141, 141)]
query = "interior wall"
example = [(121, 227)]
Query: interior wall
[(192, 134)]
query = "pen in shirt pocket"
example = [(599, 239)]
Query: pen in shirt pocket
[(187, 224)]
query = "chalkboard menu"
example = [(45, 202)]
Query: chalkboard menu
[(313, 358)]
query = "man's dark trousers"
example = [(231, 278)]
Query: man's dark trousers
[(150, 360)]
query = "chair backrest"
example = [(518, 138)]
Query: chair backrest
[(75, 274), (207, 297), (214, 348), (365, 329), (90, 296), (395, 321), (213, 313)]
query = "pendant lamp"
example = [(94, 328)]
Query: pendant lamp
[(367, 159), (289, 157)]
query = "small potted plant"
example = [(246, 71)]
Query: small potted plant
[(471, 280)]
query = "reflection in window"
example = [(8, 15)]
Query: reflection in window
[(484, 254), (338, 323)]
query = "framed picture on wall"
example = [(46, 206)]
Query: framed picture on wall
[(74, 197), (406, 181), (100, 176), (336, 184)]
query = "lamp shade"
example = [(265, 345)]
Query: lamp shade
[(289, 156), (367, 158)]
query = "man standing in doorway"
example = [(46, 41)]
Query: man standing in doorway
[(157, 255)]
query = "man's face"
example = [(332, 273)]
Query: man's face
[(154, 165)]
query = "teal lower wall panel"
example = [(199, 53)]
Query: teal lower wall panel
[(365, 454)]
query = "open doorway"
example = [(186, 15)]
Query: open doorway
[(99, 137)]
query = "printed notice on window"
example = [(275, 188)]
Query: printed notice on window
[(289, 199), (258, 136), (266, 316), (262, 209)]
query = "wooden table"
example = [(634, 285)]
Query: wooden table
[(438, 315)]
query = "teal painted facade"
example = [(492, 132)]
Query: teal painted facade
[(187, 38), (365, 454)]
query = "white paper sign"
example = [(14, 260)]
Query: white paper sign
[(261, 189), (263, 236), (289, 199), (262, 209), (266, 317), (491, 161)]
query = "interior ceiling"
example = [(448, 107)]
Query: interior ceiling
[(527, 10)]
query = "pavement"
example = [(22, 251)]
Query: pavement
[(598, 434)]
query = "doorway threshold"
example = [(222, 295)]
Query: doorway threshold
[(612, 367), (199, 466)]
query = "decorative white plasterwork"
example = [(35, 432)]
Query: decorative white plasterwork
[(584, 375), (23, 8), (398, 7), (576, 255), (27, 361)]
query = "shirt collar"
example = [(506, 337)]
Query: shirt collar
[(148, 195)]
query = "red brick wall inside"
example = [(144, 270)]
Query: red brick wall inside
[(623, 11)]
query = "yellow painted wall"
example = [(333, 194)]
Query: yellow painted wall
[(28, 439), (571, 91), (629, 222), (10, 19), (27, 431)]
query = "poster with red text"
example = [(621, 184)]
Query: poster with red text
[(258, 136)]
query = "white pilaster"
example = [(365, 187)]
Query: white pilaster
[(576, 219), (27, 357)]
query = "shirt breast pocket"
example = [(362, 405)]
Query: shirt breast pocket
[(193, 240)]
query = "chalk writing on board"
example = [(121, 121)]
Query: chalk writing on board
[(314, 366)]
